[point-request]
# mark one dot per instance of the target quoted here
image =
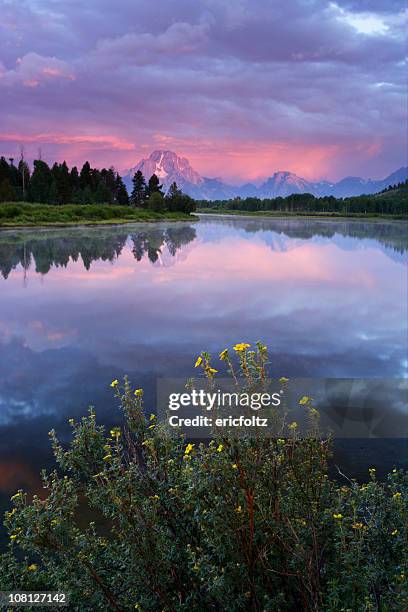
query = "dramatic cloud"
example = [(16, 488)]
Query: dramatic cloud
[(241, 87)]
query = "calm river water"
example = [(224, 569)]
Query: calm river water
[(79, 307)]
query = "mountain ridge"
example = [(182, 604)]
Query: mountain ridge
[(170, 167)]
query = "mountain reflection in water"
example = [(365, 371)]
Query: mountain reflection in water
[(81, 306)]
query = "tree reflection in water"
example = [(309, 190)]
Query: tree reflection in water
[(43, 250)]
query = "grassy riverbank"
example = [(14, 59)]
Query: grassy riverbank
[(304, 215), (388, 204), (21, 214)]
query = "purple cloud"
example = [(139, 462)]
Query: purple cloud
[(241, 87)]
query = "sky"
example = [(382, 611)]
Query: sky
[(242, 88)]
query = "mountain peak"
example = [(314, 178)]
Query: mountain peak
[(169, 167)]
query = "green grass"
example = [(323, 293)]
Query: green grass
[(22, 214), (307, 214)]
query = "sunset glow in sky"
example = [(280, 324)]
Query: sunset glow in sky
[(243, 88)]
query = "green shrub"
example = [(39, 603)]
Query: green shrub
[(10, 211), (237, 524)]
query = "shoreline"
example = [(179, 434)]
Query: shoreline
[(309, 217), (84, 224)]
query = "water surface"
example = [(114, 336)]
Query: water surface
[(81, 306)]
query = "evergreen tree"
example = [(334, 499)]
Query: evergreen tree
[(138, 195), (77, 194), (154, 186), (53, 193), (4, 169), (85, 176), (40, 182), (74, 178), (64, 184), (177, 201), (87, 196), (102, 194), (122, 196), (156, 202), (7, 193), (173, 191), (15, 179), (109, 178), (24, 172)]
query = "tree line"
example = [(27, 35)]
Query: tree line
[(390, 202), (151, 195), (60, 184)]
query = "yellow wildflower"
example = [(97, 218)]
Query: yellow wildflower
[(224, 355), (107, 457), (212, 370), (241, 347), (238, 509), (139, 392), (189, 449), (234, 466), (283, 379), (152, 417), (152, 426), (372, 470), (198, 362), (155, 497), (395, 532), (114, 383), (219, 448), (13, 537), (115, 432), (397, 495), (338, 517), (357, 525), (32, 567), (305, 400), (281, 441), (293, 425), (16, 496)]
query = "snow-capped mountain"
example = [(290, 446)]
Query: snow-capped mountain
[(284, 184), (169, 167)]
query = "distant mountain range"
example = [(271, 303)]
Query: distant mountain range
[(169, 167)]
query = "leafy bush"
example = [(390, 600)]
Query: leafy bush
[(238, 524), (10, 211)]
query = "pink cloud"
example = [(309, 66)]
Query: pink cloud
[(32, 69), (240, 90)]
